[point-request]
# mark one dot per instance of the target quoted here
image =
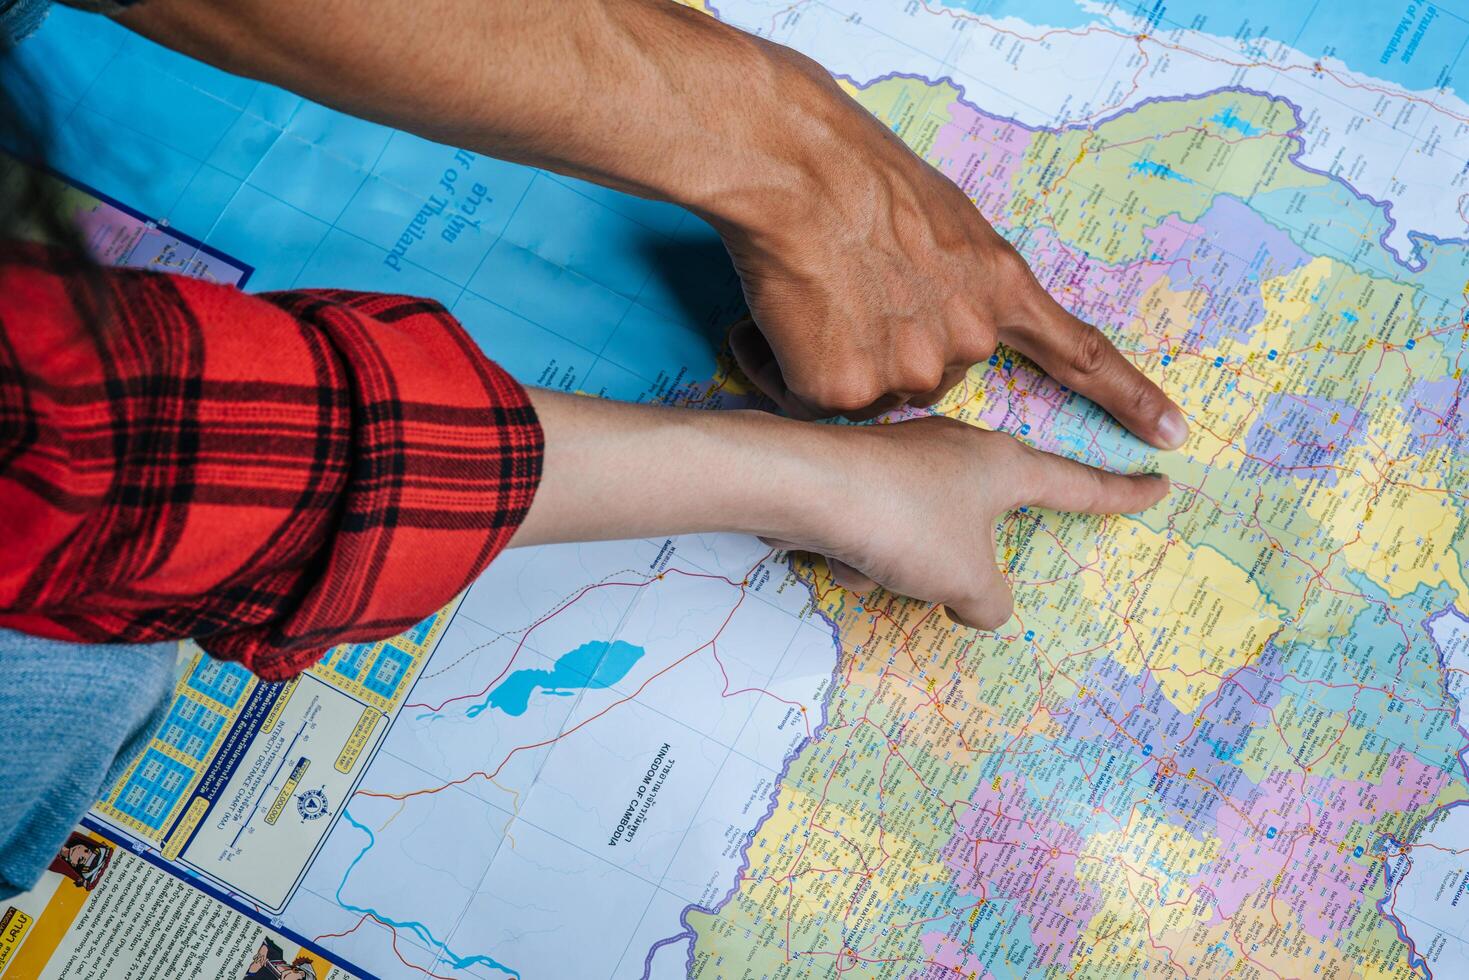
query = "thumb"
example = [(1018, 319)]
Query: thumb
[(849, 577), (752, 352), (988, 602)]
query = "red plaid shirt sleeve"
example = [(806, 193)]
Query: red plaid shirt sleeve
[(270, 475)]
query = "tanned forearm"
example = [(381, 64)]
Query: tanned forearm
[(642, 95), (871, 277)]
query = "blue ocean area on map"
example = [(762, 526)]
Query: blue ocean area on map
[(590, 666), (567, 284), (1412, 43)]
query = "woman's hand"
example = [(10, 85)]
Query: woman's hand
[(910, 506), (916, 507)]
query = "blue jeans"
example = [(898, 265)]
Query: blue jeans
[(73, 716)]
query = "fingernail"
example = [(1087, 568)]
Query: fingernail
[(1172, 429)]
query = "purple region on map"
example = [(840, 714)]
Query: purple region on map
[(118, 238), (1229, 253), (1438, 411), (1304, 437)]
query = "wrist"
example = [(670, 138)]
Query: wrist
[(797, 131), (775, 476), (613, 470)]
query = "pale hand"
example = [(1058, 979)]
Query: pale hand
[(916, 511)]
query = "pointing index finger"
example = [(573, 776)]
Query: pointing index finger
[(1079, 356), (1057, 483)]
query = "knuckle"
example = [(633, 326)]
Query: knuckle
[(1010, 268), (977, 344), (1090, 354), (803, 384), (1142, 398), (923, 376), (852, 400), (846, 394)]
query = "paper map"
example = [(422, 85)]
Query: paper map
[(1222, 738)]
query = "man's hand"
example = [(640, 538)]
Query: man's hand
[(257, 963), (880, 283)]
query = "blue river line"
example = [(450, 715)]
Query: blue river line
[(417, 928)]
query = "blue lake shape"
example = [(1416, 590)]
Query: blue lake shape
[(591, 666), (1151, 169), (1230, 119)]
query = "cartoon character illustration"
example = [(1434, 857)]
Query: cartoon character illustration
[(269, 964), (260, 965), (300, 969), (82, 859)]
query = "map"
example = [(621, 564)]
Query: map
[(1225, 737)]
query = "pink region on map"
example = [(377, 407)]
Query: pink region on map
[(1290, 826), (981, 154), (117, 238)]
